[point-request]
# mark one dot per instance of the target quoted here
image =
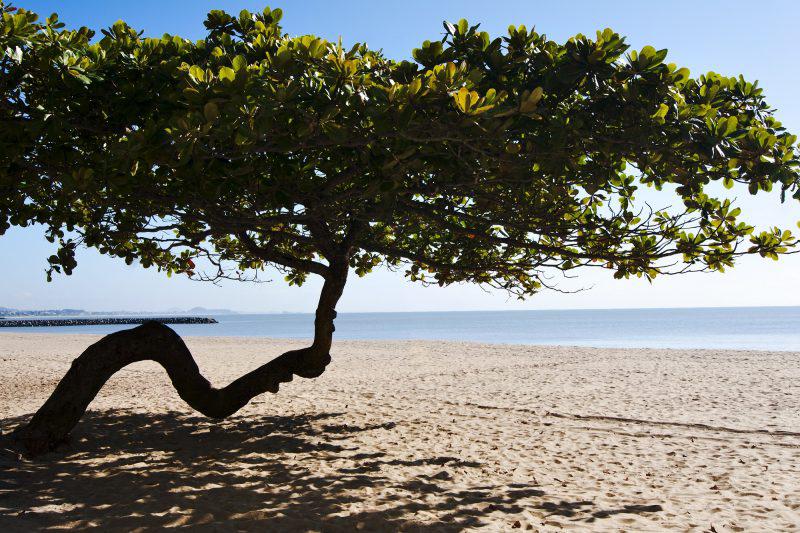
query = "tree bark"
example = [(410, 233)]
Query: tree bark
[(153, 341)]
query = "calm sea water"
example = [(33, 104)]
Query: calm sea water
[(747, 328)]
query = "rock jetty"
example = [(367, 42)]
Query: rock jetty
[(45, 322)]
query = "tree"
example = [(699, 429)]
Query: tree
[(493, 161)]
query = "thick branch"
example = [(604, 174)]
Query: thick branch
[(156, 342)]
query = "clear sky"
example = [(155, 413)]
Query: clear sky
[(727, 36)]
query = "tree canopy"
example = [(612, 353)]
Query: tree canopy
[(486, 160)]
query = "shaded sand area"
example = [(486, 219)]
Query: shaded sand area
[(420, 436)]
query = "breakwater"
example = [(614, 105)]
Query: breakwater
[(45, 322)]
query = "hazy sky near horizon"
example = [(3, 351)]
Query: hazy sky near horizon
[(711, 35)]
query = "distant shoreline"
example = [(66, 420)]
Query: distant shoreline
[(55, 322)]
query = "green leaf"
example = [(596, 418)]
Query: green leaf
[(227, 74), (83, 79), (536, 95), (647, 52), (282, 56), (530, 100), (239, 63), (681, 75), (197, 74), (661, 113), (465, 99), (730, 126), (596, 56), (211, 111)]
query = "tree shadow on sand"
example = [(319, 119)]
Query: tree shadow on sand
[(124, 470)]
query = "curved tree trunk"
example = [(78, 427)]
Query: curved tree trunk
[(153, 341)]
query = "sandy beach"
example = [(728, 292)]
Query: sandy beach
[(419, 436)]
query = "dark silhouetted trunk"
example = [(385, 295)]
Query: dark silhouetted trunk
[(153, 341)]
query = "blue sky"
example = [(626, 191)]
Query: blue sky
[(729, 37)]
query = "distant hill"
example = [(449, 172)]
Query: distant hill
[(8, 311), (199, 311), (206, 311)]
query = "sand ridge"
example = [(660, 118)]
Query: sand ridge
[(420, 436)]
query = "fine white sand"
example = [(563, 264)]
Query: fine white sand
[(419, 436)]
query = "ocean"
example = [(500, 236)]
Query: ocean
[(740, 328)]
